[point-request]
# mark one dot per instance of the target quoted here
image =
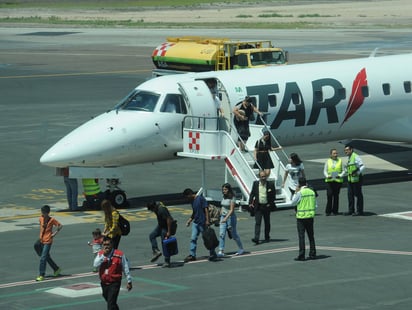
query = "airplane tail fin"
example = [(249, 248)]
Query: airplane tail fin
[(375, 51)]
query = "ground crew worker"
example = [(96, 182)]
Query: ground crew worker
[(92, 193), (111, 262), (333, 172), (354, 169), (305, 201)]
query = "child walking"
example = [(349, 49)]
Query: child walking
[(96, 243), (49, 227)]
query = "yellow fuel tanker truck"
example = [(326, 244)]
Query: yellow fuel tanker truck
[(198, 54)]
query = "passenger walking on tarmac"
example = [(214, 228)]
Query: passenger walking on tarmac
[(262, 157), (305, 201), (228, 221), (162, 229), (111, 223), (111, 263), (354, 170), (96, 243), (333, 172), (199, 220), (296, 170), (49, 228), (92, 194), (243, 113), (72, 191), (262, 199)]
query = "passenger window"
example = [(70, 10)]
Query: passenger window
[(386, 89), (319, 95), (295, 98), (365, 91), (342, 93), (407, 86), (272, 100)]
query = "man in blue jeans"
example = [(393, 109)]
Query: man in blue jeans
[(162, 229), (199, 220)]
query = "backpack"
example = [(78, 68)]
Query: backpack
[(124, 225), (173, 227), (214, 215), (209, 238)]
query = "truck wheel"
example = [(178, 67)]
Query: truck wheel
[(118, 199)]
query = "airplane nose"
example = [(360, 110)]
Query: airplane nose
[(77, 147), (109, 139), (54, 157)]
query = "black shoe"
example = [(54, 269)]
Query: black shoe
[(212, 258), (190, 258), (256, 241), (311, 257), (267, 239), (349, 213), (357, 214), (335, 213), (156, 255), (299, 258)]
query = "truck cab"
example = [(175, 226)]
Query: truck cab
[(254, 58)]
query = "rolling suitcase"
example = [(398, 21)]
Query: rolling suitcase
[(170, 247)]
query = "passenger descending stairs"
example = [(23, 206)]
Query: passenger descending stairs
[(209, 138)]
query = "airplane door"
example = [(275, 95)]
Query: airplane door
[(200, 103)]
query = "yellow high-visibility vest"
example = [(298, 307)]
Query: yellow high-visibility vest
[(90, 187), (306, 207), (335, 169)]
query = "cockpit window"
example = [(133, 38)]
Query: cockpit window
[(174, 103), (139, 101)]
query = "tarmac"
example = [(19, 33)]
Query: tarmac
[(52, 80)]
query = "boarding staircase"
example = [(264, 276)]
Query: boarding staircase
[(212, 138)]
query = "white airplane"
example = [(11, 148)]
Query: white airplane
[(366, 98)]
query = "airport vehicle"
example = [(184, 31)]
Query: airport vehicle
[(365, 98), (199, 54)]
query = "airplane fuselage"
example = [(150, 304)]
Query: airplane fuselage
[(366, 98)]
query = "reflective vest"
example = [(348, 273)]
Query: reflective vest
[(307, 204), (334, 170), (111, 269), (351, 168), (91, 187)]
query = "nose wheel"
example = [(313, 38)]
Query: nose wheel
[(115, 194), (118, 199)]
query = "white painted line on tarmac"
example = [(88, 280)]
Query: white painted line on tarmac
[(248, 254), (407, 215)]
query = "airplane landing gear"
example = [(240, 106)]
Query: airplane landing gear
[(115, 194)]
